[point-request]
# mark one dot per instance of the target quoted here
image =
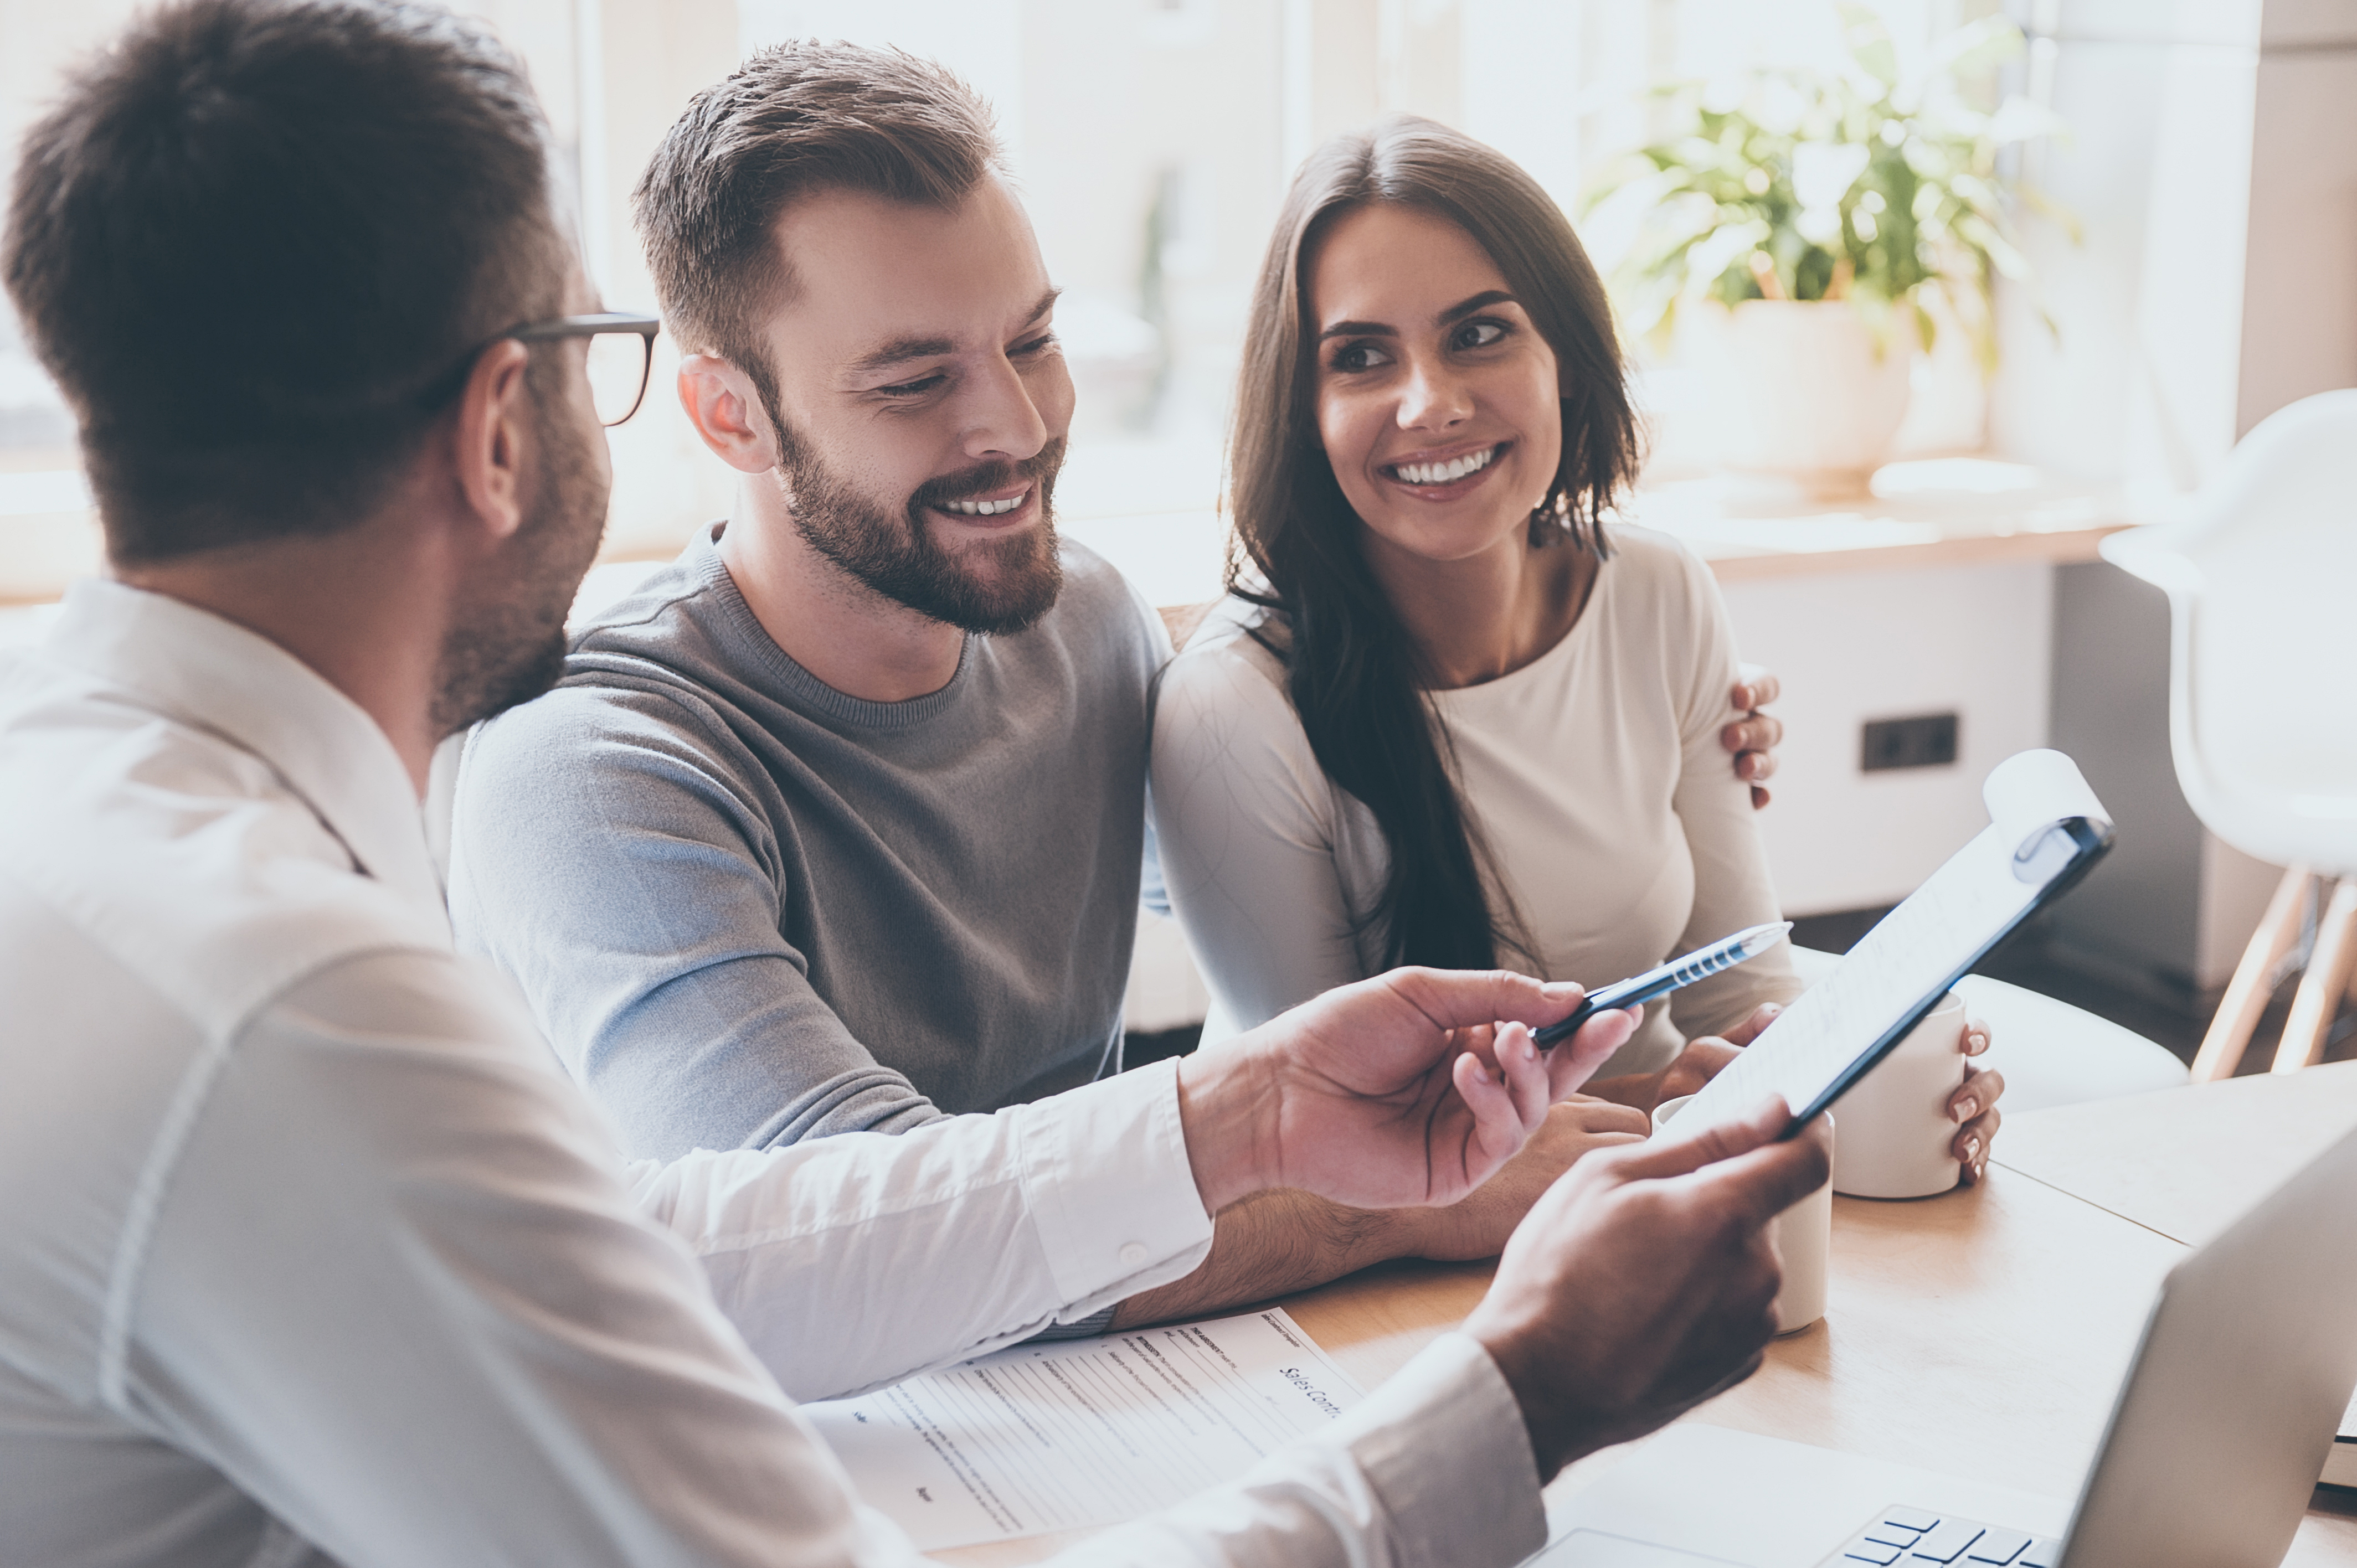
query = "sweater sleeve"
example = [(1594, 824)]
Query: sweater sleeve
[(1256, 849), (1732, 888), (606, 855)]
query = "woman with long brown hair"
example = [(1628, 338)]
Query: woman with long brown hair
[(1445, 716)]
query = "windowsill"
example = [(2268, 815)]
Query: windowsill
[(1934, 513)]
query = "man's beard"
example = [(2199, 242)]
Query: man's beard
[(507, 646), (897, 556)]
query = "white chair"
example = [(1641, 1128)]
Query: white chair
[(2261, 576), (2050, 1052)]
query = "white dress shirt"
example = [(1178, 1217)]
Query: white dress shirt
[(309, 1253)]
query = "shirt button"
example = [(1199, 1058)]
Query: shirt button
[(1133, 1254)]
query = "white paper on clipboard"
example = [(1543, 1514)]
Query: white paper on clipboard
[(1913, 955)]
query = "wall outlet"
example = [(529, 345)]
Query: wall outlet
[(1928, 740)]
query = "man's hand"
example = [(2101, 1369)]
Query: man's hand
[(1755, 737), (1641, 1283), (1478, 1226), (1388, 1093)]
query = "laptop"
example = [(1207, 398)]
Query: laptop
[(2217, 1437)]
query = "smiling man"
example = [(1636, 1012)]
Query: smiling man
[(836, 825), (839, 823)]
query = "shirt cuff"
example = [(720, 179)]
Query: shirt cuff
[(1090, 1328), (1443, 1444), (1105, 1173)]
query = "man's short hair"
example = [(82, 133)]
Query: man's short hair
[(255, 246), (794, 118)]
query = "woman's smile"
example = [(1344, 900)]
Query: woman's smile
[(1445, 477)]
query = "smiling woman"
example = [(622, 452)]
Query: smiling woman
[(1423, 302), (1439, 720)]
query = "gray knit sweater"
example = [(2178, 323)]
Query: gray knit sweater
[(747, 908)]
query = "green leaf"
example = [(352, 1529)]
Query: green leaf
[(1925, 206), (1869, 43), (2053, 211), (1975, 48)]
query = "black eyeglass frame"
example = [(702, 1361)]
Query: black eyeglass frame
[(556, 328)]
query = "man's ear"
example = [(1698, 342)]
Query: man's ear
[(489, 437), (727, 412)]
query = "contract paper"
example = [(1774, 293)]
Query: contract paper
[(1087, 1432), (1916, 952)]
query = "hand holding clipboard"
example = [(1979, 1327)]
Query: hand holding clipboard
[(2047, 830)]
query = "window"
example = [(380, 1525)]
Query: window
[(1152, 140)]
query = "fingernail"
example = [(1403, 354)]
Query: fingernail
[(1973, 1151), (1966, 1109), (1980, 1042)]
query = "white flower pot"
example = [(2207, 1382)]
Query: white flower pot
[(1800, 391)]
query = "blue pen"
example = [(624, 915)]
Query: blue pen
[(1740, 948)]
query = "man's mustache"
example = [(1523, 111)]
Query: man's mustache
[(1040, 469)]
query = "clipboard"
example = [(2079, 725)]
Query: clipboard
[(2047, 830)]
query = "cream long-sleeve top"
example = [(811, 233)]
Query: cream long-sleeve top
[(1593, 774), (311, 1254)]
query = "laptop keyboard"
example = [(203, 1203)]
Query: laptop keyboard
[(1916, 1538)]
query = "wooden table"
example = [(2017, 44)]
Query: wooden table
[(2011, 1309)]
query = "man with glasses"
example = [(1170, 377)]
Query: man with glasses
[(308, 1252), (837, 825), (621, 356)]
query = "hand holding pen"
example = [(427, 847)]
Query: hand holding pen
[(1676, 975)]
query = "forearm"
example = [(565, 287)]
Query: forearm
[(1040, 1213), (1271, 1244)]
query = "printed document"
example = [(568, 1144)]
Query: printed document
[(1085, 1432)]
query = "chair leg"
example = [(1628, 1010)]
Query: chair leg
[(2319, 996), (2246, 994)]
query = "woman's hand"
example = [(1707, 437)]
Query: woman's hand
[(1690, 1068), (1476, 1227), (1755, 737), (1974, 1105)]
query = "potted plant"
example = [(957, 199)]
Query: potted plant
[(1803, 221)]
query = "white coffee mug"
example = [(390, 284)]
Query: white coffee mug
[(1802, 1236), (1896, 1139)]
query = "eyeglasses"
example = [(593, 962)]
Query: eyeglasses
[(621, 355)]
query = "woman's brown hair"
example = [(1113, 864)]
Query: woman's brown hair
[(1357, 680)]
